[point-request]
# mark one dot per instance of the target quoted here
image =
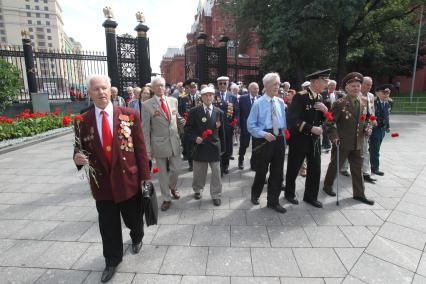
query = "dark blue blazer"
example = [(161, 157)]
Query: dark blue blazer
[(245, 108), (382, 113), (230, 98)]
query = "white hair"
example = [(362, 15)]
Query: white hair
[(368, 78), (253, 84), (98, 76), (235, 86), (287, 84), (158, 79), (270, 77), (332, 82)]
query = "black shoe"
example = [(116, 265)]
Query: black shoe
[(277, 207), (377, 172), (331, 192), (255, 201), (364, 200), (190, 169), (345, 173), (217, 202), (367, 178), (197, 195), (292, 200), (241, 165), (136, 247), (253, 168), (314, 203), (231, 158), (108, 273), (225, 171)]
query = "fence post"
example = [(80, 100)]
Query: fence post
[(111, 46), (143, 53), (223, 58), (200, 68), (29, 63)]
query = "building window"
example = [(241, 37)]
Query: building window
[(36, 1), (3, 39), (46, 16), (50, 44), (46, 8), (41, 43), (47, 23), (37, 7), (31, 37), (30, 29), (38, 15), (1, 25), (39, 29), (27, 7), (45, 1), (2, 32), (49, 37), (48, 30), (28, 14), (30, 22), (38, 22), (40, 36)]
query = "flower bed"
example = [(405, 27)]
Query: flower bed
[(28, 124)]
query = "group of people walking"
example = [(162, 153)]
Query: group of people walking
[(119, 143)]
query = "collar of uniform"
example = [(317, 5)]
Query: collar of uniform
[(209, 107), (313, 93), (108, 109)]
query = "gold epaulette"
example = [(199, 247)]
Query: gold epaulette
[(183, 95)]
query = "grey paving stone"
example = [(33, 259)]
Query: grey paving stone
[(326, 236), (352, 280), (196, 217), (92, 259), (170, 216), (362, 217), (185, 261), (421, 269), (61, 255), (74, 214), (11, 227), (319, 262), (24, 253), (211, 236), (414, 198), (17, 212), (68, 231), (403, 235), (349, 256), (47, 213), (241, 203), (157, 279), (329, 217), (387, 202), (119, 278), (205, 280), (17, 275), (297, 218), (207, 203), (382, 214), (223, 261), (395, 253), (333, 280), (54, 276), (414, 209), (92, 235), (373, 270), (359, 236), (249, 236), (148, 260), (288, 236), (263, 216), (255, 280), (302, 280), (173, 235), (408, 220), (229, 217), (418, 279), (6, 244), (36, 230), (265, 262)]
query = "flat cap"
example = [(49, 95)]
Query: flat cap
[(223, 78), (352, 77), (384, 87), (191, 82), (207, 90), (320, 74)]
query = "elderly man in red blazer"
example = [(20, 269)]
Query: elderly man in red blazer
[(112, 143)]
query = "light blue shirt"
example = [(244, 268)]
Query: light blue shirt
[(260, 117)]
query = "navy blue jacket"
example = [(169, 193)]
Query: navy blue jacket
[(245, 108), (382, 113)]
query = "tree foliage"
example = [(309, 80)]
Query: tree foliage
[(9, 84), (300, 36)]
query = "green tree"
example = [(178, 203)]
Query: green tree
[(9, 84)]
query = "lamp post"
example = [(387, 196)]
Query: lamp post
[(413, 80)]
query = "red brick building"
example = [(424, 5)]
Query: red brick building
[(210, 17)]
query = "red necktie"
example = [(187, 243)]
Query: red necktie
[(164, 108), (106, 138)]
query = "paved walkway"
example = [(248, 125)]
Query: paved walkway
[(49, 231)]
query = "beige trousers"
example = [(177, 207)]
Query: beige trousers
[(200, 174)]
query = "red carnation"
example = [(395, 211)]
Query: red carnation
[(9, 120), (234, 122), (155, 170), (329, 116), (25, 115), (131, 117), (373, 118), (206, 133), (66, 120), (185, 115), (362, 118), (394, 134), (78, 118), (287, 134)]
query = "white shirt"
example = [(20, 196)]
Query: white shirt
[(109, 113), (208, 108)]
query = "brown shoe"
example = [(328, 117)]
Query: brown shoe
[(175, 194), (302, 172), (166, 205)]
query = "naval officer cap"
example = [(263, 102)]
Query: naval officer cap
[(321, 74), (191, 83), (384, 88), (223, 78), (352, 77), (206, 90)]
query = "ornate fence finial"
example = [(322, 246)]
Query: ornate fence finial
[(108, 13), (140, 17)]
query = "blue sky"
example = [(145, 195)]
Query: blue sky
[(168, 20)]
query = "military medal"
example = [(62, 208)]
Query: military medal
[(204, 119), (108, 148)]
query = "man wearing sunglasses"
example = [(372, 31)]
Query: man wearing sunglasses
[(228, 103)]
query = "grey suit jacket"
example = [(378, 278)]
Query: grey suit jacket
[(161, 136)]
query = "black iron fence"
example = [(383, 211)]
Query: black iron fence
[(60, 74), (245, 74)]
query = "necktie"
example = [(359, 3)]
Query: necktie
[(164, 108), (274, 119), (106, 138), (223, 96), (252, 100), (208, 112)]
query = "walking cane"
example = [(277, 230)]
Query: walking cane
[(338, 171)]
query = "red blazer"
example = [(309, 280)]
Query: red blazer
[(128, 168)]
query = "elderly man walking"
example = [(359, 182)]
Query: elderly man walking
[(266, 123), (160, 122)]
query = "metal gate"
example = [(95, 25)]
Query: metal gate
[(128, 69)]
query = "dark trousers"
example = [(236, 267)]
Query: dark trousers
[(296, 156), (269, 157), (355, 162), (376, 140), (244, 143), (325, 140), (110, 226), (224, 163)]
